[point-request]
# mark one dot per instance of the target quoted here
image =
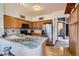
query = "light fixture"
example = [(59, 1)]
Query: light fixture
[(36, 8), (22, 5)]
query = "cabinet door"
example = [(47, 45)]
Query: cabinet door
[(73, 38), (78, 13), (17, 24), (78, 41), (30, 25), (34, 25), (8, 22), (39, 25), (78, 31), (73, 29), (74, 16)]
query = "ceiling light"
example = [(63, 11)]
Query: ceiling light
[(36, 8), (22, 5)]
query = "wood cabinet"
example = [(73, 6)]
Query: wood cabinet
[(30, 24), (78, 40), (39, 24), (12, 22), (26, 22), (78, 31), (73, 38), (74, 31), (74, 16), (9, 22)]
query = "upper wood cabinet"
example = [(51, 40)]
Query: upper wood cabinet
[(39, 24), (69, 7), (74, 17), (12, 22), (30, 25), (20, 22), (9, 22), (78, 12)]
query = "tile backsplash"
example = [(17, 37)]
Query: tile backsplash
[(12, 31), (17, 31)]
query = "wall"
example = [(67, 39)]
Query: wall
[(10, 10), (1, 20), (52, 15)]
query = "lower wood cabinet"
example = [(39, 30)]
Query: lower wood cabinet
[(73, 38)]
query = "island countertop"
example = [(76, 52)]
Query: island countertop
[(19, 49)]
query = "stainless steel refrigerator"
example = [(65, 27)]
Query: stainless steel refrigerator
[(48, 29)]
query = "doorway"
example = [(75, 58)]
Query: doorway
[(62, 32), (61, 29)]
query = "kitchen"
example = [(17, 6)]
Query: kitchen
[(38, 26)]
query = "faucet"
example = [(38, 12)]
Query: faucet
[(7, 52)]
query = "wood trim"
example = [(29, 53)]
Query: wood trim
[(69, 7), (43, 20)]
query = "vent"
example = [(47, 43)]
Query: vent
[(22, 16), (41, 18)]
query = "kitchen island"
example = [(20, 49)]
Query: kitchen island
[(23, 45)]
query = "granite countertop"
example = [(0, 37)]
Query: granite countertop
[(25, 37), (16, 46)]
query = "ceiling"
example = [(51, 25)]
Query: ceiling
[(27, 9)]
